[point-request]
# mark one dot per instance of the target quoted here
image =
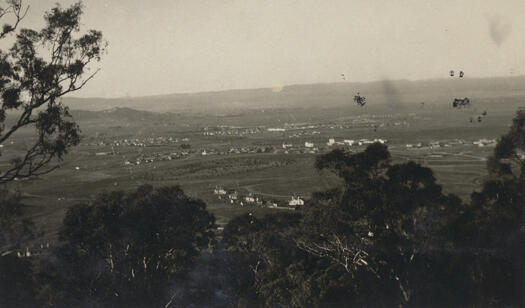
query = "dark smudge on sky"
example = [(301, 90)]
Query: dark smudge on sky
[(393, 97), (499, 29)]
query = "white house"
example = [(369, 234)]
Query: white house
[(485, 142), (219, 191), (308, 144), (331, 142), (296, 201)]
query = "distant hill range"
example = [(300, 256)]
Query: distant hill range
[(395, 94), (122, 113)]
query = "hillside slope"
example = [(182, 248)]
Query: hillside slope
[(394, 94)]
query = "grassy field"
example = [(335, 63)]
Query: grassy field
[(275, 175)]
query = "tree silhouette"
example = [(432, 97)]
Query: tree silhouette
[(14, 229), (17, 280), (40, 68), (491, 230), (378, 240), (125, 249)]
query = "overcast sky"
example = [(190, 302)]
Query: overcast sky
[(169, 46)]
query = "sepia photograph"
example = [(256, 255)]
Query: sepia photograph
[(262, 153)]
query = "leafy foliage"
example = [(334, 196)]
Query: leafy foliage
[(14, 228), (388, 237), (17, 282), (509, 156), (125, 249), (17, 275), (492, 227), (40, 68)]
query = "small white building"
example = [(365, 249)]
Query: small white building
[(233, 196), (271, 205), (308, 144), (219, 191), (331, 142), (485, 142), (349, 142), (296, 201)]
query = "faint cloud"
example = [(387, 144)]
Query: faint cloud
[(499, 28)]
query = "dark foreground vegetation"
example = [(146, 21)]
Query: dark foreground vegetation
[(387, 237)]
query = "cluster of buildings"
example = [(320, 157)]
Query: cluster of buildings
[(232, 197), (312, 148), (351, 142), (153, 157), (440, 144), (252, 149), (308, 147), (232, 131), (304, 133), (430, 145), (147, 141), (136, 142)]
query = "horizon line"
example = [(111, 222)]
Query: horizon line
[(281, 87)]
